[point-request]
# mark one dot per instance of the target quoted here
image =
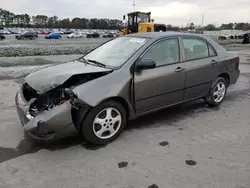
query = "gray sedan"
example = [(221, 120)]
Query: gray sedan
[(123, 79)]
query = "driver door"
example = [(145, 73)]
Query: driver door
[(163, 85)]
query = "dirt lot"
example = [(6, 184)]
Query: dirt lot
[(189, 146)]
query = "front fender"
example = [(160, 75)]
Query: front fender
[(115, 84)]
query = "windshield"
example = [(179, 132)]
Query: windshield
[(116, 52), (143, 18)]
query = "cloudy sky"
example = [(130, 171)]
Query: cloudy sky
[(173, 12)]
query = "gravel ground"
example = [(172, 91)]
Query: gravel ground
[(187, 146), (191, 146), (12, 47)]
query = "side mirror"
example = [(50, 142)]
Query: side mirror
[(145, 64), (124, 17)]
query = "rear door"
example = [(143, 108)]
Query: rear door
[(163, 85), (201, 66)]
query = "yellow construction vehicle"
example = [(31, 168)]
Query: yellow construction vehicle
[(140, 22)]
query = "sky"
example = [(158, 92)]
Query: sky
[(179, 13)]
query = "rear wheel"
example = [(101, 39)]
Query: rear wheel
[(104, 123), (217, 92)]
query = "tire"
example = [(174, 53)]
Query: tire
[(89, 130), (212, 99)]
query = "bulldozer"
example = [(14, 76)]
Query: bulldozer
[(140, 22)]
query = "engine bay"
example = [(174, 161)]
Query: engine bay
[(56, 96), (51, 99)]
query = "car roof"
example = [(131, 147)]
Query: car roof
[(161, 34)]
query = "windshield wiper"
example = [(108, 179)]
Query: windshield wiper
[(83, 59), (96, 62)]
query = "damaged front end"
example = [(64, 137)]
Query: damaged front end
[(45, 114), (46, 103)]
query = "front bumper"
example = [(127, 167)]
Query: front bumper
[(45, 125)]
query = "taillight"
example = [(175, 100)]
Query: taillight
[(237, 62), (238, 59)]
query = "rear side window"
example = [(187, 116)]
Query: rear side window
[(195, 48)]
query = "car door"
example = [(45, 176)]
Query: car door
[(28, 35), (25, 35), (201, 62), (163, 85)]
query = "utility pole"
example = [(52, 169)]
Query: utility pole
[(134, 5), (202, 21)]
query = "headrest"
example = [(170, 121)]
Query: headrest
[(200, 48)]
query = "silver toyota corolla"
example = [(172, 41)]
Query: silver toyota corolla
[(122, 79)]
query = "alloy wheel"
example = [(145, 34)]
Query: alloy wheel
[(219, 92), (107, 123)]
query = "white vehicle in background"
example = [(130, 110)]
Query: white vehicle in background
[(75, 35), (4, 32), (57, 31), (224, 37)]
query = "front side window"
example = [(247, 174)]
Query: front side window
[(195, 48), (164, 52), (117, 51)]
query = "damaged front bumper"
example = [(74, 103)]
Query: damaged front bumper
[(46, 124)]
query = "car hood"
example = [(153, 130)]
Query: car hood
[(50, 77)]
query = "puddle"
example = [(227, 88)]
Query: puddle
[(153, 186), (122, 164), (164, 143), (191, 162)]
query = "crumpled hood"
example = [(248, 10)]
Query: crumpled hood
[(50, 77)]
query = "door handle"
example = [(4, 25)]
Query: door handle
[(179, 69), (214, 62)]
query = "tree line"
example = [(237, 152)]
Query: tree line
[(238, 26), (9, 19), (211, 27)]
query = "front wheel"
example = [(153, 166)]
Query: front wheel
[(104, 123), (217, 92)]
